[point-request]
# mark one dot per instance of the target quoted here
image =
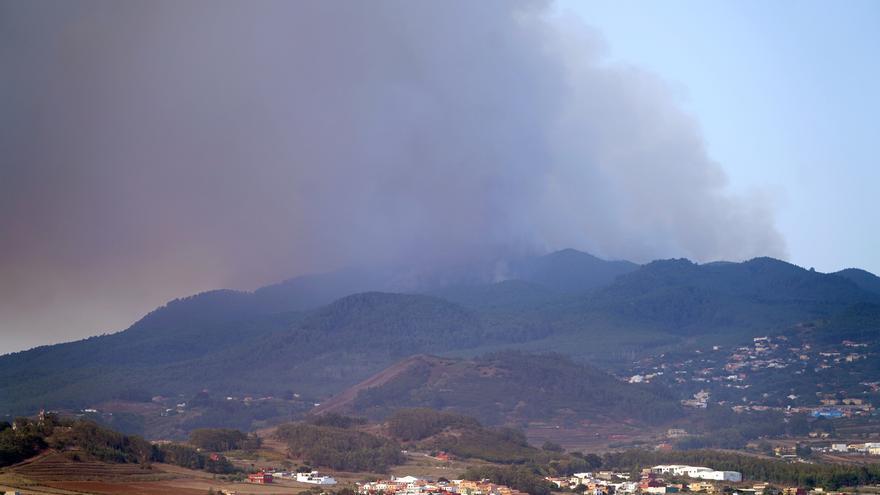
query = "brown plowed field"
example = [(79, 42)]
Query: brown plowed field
[(110, 488)]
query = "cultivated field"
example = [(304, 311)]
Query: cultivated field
[(55, 473)]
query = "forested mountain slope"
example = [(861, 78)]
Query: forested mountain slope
[(505, 388), (274, 340), (864, 279)]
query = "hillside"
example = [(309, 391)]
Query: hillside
[(231, 340), (83, 440), (757, 295), (864, 279), (356, 335), (274, 343), (569, 271), (462, 436), (505, 388)]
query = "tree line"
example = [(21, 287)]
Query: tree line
[(340, 448), (223, 439), (25, 438)]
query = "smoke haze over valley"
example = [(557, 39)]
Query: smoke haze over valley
[(157, 150)]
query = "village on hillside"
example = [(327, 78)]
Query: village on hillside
[(744, 377), (657, 480)]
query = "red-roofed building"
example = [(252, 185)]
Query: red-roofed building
[(260, 478)]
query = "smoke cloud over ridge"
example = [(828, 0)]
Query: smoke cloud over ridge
[(155, 149)]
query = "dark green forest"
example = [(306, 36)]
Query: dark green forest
[(419, 423), (340, 448), (223, 439)]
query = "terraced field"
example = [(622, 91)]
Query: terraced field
[(58, 466), (60, 473)]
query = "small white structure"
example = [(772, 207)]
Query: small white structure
[(405, 479), (694, 472), (315, 478), (628, 487), (733, 476)]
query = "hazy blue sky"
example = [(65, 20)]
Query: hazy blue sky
[(788, 96)]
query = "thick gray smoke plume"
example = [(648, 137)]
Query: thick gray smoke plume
[(152, 149)]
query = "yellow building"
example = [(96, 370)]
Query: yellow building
[(702, 486)]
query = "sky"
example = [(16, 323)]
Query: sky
[(786, 95), (154, 150)]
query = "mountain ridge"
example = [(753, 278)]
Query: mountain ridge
[(231, 341)]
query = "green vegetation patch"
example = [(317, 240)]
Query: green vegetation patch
[(339, 448), (223, 439)]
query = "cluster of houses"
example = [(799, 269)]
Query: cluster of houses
[(269, 475), (832, 407), (764, 354), (869, 448), (713, 369), (651, 482), (411, 485), (600, 483)]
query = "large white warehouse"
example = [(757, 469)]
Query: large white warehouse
[(699, 472)]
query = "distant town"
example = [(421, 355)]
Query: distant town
[(738, 376)]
